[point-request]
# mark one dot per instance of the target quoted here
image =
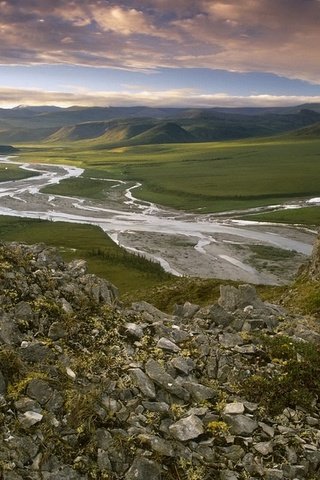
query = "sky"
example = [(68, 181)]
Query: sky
[(197, 53)]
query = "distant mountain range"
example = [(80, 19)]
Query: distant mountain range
[(114, 126)]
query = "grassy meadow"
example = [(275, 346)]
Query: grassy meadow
[(306, 216), (202, 177), (13, 172)]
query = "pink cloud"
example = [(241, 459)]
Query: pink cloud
[(280, 37)]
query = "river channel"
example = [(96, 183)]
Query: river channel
[(184, 243)]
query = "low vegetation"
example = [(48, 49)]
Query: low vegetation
[(13, 172), (200, 176), (298, 385), (80, 187), (305, 216), (103, 256)]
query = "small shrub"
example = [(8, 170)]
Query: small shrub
[(296, 382)]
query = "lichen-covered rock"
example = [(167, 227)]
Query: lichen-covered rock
[(90, 389)]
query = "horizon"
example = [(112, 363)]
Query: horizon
[(167, 107), (198, 54)]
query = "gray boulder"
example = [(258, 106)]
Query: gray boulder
[(143, 469), (187, 428)]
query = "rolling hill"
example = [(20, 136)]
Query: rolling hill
[(310, 132), (110, 126)]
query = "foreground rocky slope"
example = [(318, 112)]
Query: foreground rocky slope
[(91, 389)]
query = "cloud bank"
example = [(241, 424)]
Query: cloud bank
[(10, 97), (280, 37)]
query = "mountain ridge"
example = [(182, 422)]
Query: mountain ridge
[(53, 124)]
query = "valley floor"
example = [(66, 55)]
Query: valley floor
[(184, 244)]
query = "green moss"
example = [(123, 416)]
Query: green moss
[(12, 366), (18, 388), (304, 296)]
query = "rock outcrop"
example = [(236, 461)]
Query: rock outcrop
[(90, 389), (314, 264)]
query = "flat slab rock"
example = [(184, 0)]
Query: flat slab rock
[(187, 428)]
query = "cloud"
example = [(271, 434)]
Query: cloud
[(10, 97), (280, 37)]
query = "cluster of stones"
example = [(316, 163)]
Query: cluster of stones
[(90, 389)]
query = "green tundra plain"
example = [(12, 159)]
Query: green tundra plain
[(201, 177), (210, 177)]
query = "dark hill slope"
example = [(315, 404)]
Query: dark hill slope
[(311, 132), (80, 131), (170, 124), (164, 133), (7, 149)]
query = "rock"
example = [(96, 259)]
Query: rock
[(83, 395), (199, 392), (24, 404), (77, 267), (219, 316), (166, 344), (232, 298), (57, 331), (158, 445), (187, 428), (9, 331), (30, 418), (103, 461), (71, 374), (295, 471), (230, 339), (265, 448), (143, 382), (273, 474), (313, 268), (253, 465), (134, 330), (184, 365), (188, 310), (23, 311), (267, 429), (228, 475), (160, 407), (3, 384), (35, 352), (66, 306), (156, 372), (143, 469), (39, 390), (153, 312), (241, 424), (233, 453), (235, 408), (103, 438)]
